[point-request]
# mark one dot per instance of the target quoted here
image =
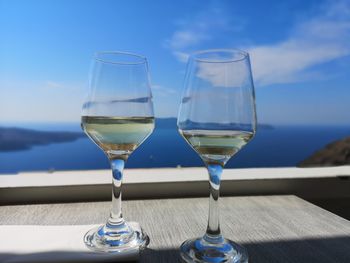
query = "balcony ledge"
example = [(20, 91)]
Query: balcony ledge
[(92, 185)]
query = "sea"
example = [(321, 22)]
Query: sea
[(279, 146)]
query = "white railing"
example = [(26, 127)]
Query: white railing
[(324, 182)]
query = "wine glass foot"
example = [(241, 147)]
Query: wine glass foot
[(199, 251), (124, 242)]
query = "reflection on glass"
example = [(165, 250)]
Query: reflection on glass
[(217, 118), (118, 117)]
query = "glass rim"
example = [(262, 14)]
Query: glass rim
[(243, 55), (139, 58)]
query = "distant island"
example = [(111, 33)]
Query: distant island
[(171, 123), (333, 154), (16, 139)]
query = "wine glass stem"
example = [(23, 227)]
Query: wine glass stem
[(116, 216), (213, 233)]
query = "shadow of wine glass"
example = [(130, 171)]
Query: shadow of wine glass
[(312, 250)]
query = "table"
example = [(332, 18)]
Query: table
[(273, 228)]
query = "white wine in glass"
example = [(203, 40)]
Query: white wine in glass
[(118, 136), (217, 118), (216, 145), (118, 116)]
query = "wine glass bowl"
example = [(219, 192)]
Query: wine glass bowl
[(118, 116), (217, 118)]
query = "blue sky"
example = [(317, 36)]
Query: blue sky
[(299, 51)]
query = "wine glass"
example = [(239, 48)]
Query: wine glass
[(118, 116), (217, 118)]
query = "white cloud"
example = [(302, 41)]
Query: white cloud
[(312, 42), (219, 75), (53, 84), (61, 102), (204, 26), (63, 86), (162, 90), (181, 56), (185, 38), (321, 39)]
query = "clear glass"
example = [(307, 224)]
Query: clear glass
[(118, 116), (217, 118)]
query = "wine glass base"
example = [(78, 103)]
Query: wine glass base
[(195, 250), (97, 240)]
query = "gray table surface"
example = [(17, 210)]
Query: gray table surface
[(272, 228)]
